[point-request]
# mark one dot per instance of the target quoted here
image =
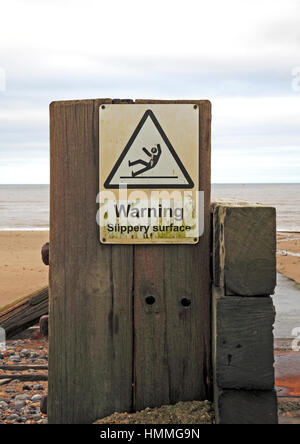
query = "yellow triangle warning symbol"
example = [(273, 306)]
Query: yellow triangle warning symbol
[(149, 160)]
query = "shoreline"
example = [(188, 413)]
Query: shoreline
[(22, 271)]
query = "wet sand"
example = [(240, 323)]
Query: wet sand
[(288, 255), (21, 269)]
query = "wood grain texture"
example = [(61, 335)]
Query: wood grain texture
[(172, 352), (103, 336), (5, 381), (246, 407), (244, 250), (90, 328), (25, 313), (243, 343)]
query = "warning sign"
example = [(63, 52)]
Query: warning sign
[(149, 174), (149, 160)]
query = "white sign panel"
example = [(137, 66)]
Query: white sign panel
[(149, 174)]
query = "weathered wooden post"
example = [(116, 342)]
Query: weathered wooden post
[(130, 324), (244, 253)]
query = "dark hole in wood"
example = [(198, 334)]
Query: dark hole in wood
[(150, 300), (186, 302)]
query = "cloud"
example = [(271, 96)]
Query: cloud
[(239, 55)]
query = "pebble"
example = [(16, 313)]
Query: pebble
[(35, 355), (15, 358), (13, 417), (25, 353), (36, 416), (20, 402), (22, 397)]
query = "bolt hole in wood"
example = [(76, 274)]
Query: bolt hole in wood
[(150, 300), (186, 302)]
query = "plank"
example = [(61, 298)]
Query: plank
[(26, 377), (25, 313), (246, 407), (5, 381), (243, 343), (90, 322), (23, 367), (172, 342), (244, 250)]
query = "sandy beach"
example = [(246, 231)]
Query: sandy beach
[(21, 269), (288, 256)]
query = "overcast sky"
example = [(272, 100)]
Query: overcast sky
[(243, 55)]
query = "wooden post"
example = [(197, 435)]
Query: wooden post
[(109, 350), (244, 257)]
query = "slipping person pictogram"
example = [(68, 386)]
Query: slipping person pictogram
[(154, 158)]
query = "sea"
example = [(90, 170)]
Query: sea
[(26, 207)]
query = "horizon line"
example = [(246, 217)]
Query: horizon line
[(213, 183)]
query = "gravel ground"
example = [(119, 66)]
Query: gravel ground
[(20, 400), (195, 412)]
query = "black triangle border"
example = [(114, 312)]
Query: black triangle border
[(150, 114)]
